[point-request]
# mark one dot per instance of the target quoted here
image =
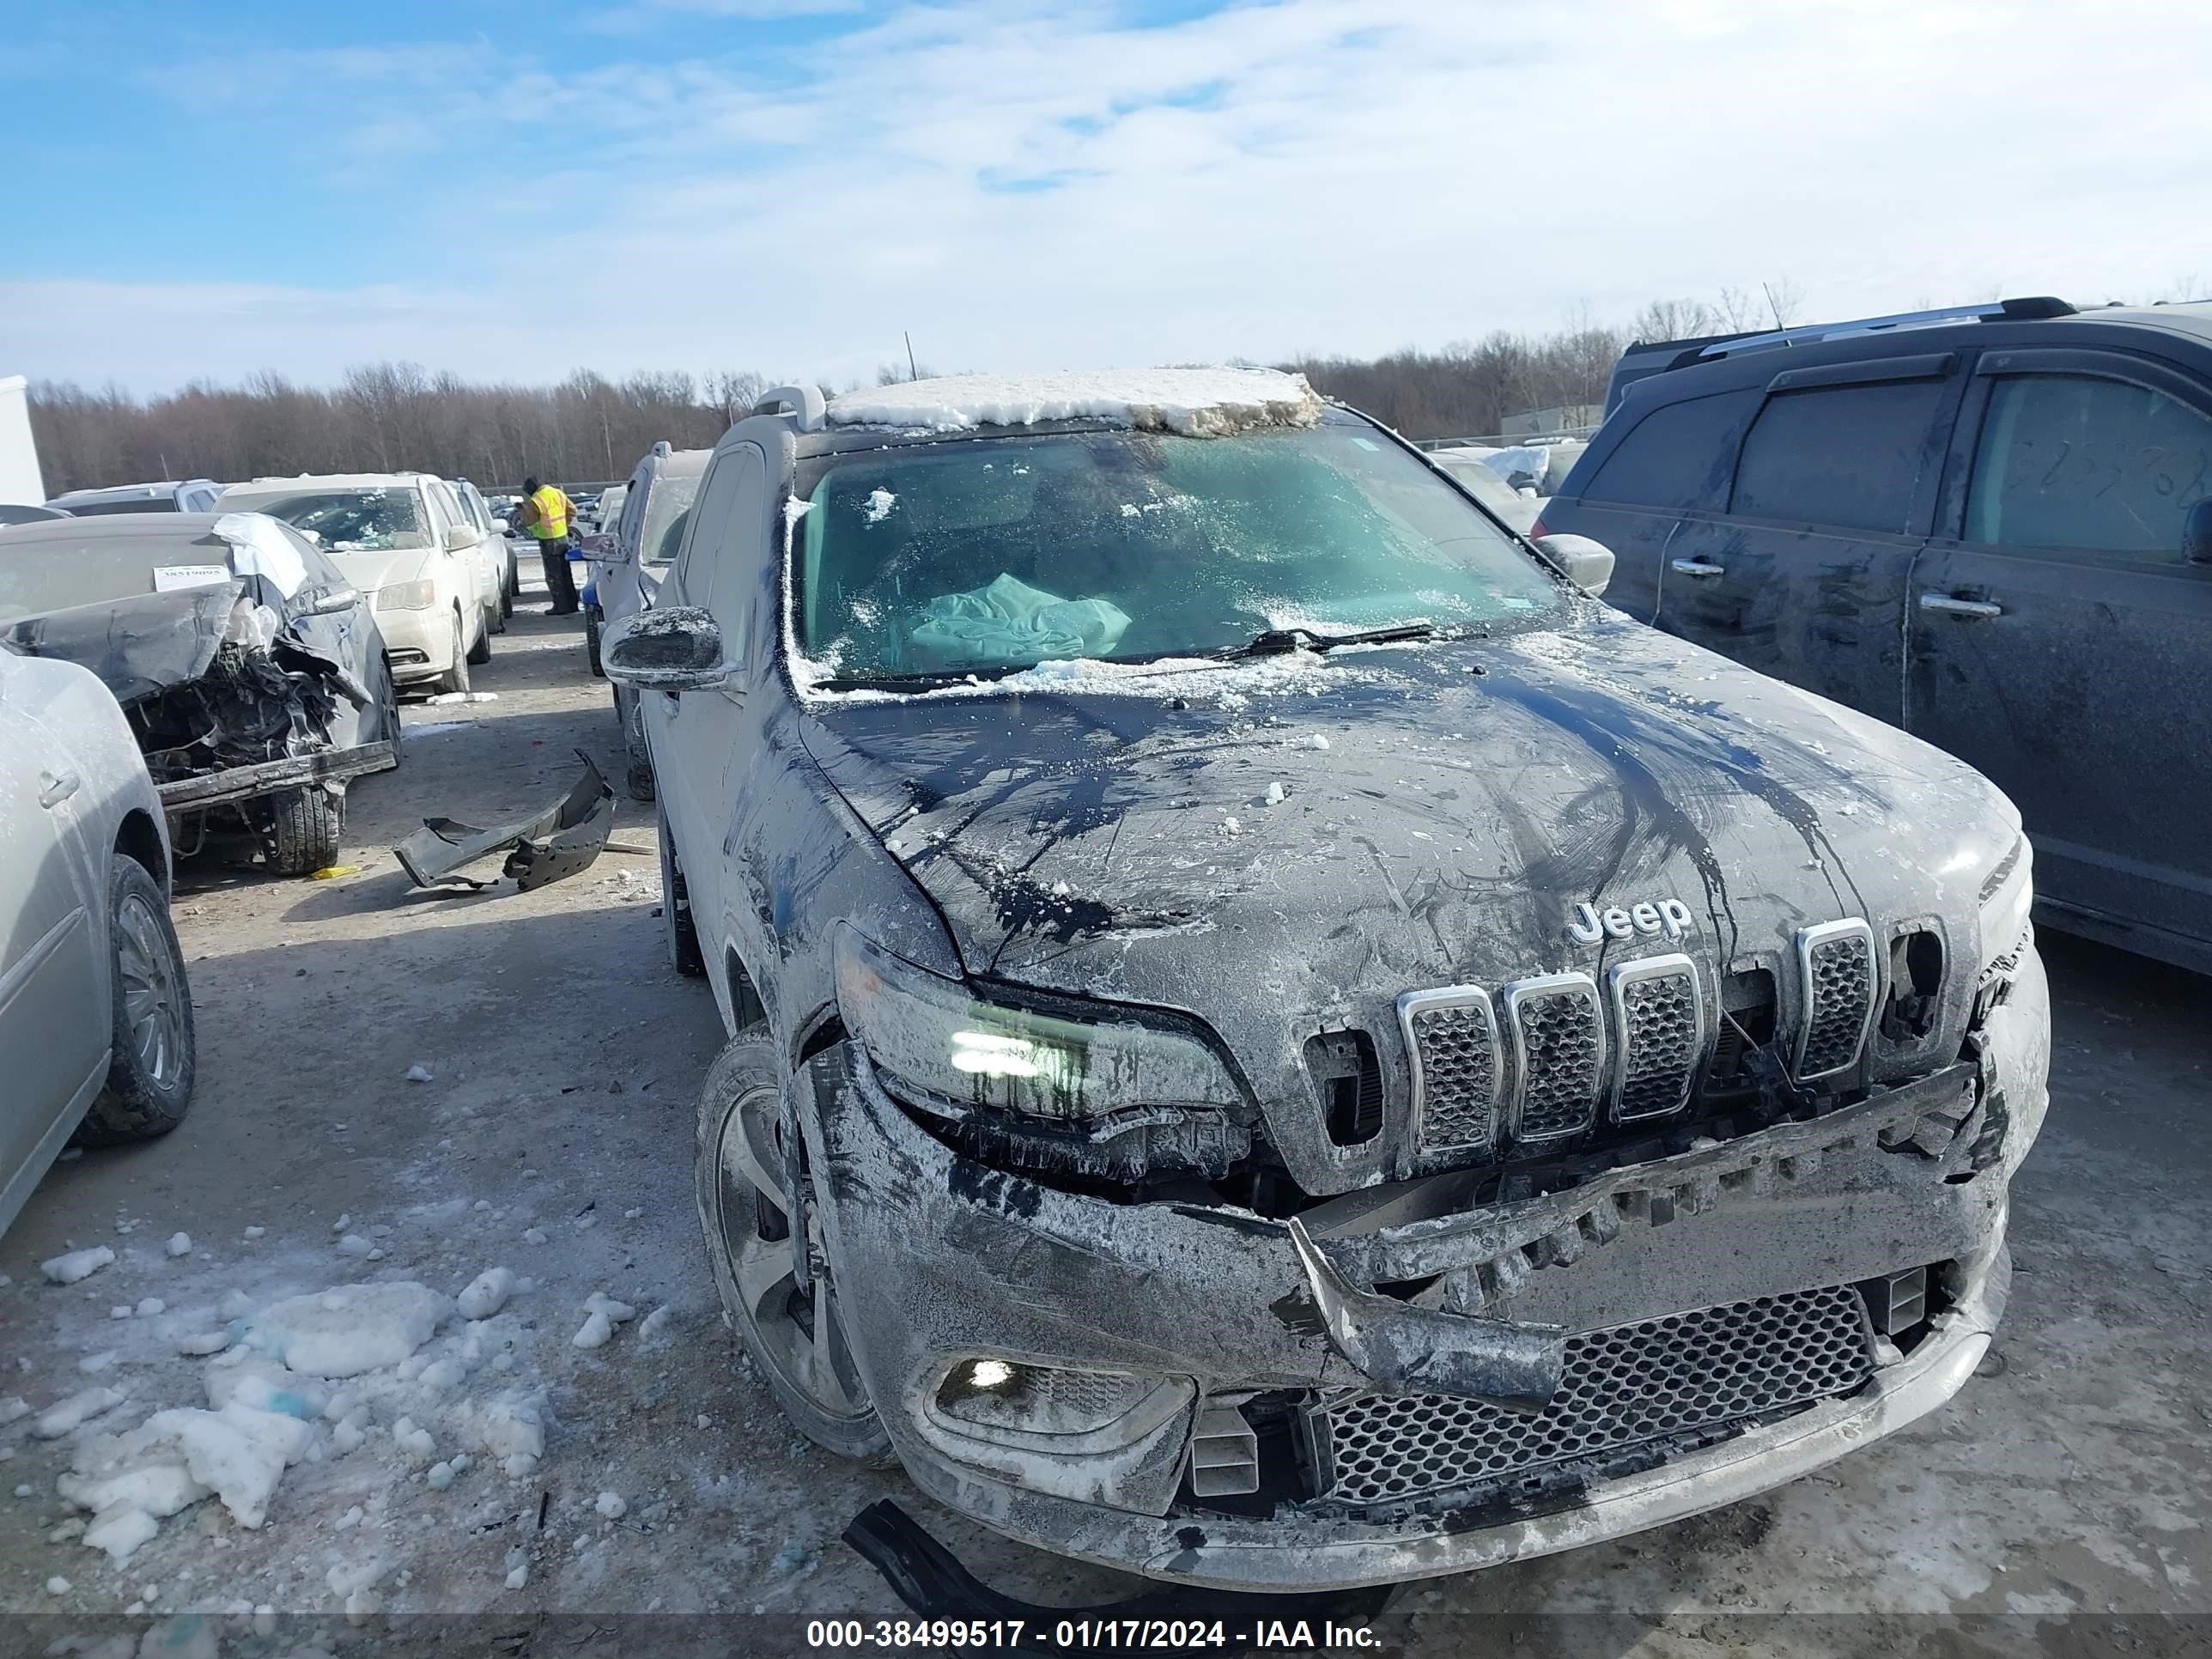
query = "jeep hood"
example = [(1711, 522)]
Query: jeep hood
[(1285, 845)]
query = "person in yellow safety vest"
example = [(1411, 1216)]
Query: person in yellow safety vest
[(547, 513)]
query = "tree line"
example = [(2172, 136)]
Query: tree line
[(388, 417)]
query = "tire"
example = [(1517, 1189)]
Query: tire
[(513, 582), (309, 824), (149, 1079), (682, 934), (495, 616), (640, 778), (480, 653), (455, 678), (595, 619), (740, 1172)]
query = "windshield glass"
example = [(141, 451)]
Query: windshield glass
[(346, 521), (667, 508), (40, 571), (993, 555)]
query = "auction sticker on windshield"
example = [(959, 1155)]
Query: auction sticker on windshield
[(168, 578)]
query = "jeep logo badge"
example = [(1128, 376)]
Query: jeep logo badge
[(1587, 926)]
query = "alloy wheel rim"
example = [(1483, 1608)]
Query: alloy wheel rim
[(800, 1331), (152, 1000)]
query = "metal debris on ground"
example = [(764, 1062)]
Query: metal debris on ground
[(564, 839)]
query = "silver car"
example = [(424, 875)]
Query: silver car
[(629, 562), (96, 1016)]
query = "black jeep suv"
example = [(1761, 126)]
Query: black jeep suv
[(1275, 1041)]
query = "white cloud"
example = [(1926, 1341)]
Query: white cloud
[(1024, 184)]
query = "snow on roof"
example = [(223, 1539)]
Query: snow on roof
[(1197, 403), (282, 486)]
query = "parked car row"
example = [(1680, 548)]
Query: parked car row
[(1239, 972)]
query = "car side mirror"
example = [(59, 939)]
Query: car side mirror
[(501, 527), (460, 537), (608, 549), (675, 649), (1586, 563), (2197, 533), (332, 600)]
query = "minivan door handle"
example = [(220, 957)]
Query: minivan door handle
[(1951, 605), (1699, 568)]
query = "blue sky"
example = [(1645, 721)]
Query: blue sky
[(517, 190)]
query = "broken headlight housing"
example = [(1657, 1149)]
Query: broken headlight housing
[(932, 1040)]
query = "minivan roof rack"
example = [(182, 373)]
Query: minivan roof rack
[(2037, 306), (804, 402)]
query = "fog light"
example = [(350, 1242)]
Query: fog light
[(1039, 1400)]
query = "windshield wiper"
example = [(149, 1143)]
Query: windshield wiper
[(1276, 641)]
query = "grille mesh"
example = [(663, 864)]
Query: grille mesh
[(1842, 984), (1559, 1047), (1622, 1388), (1459, 1064), (1660, 1043)]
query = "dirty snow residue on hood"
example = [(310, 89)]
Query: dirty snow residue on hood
[(1195, 403)]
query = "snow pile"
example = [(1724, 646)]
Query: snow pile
[(1195, 403), (345, 1332), (77, 1264), (175, 1458)]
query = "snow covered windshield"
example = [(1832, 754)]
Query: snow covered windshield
[(992, 555), (667, 509), (345, 520)]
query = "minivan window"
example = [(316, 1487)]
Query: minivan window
[(993, 555), (1677, 456), (1849, 457), (2076, 461)]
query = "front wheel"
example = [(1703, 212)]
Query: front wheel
[(595, 619), (770, 1264), (308, 824), (150, 1075), (480, 653), (455, 678)]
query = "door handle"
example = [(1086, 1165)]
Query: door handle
[(1951, 605), (54, 791), (1699, 568)]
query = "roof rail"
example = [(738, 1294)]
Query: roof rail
[(2008, 310), (804, 402)]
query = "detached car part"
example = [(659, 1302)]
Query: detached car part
[(565, 838)]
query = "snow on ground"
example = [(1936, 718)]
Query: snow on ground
[(1196, 403)]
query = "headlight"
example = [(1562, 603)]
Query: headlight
[(929, 1037), (2007, 897), (407, 596)]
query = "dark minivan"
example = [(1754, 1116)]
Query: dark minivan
[(1990, 525)]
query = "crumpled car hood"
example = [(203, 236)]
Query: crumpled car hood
[(370, 571), (1282, 848), (138, 645)]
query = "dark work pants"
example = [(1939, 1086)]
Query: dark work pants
[(560, 584)]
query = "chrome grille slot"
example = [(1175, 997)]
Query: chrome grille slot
[(1452, 1037), (1835, 968), (1659, 1022), (1622, 1388), (1559, 1055)]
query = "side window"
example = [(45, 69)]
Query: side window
[(722, 549), (1845, 456), (2074, 461), (441, 513), (1677, 456), (632, 510)]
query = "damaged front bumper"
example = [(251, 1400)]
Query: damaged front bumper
[(276, 777), (1155, 1338)]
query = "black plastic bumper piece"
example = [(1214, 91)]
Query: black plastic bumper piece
[(929, 1578)]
